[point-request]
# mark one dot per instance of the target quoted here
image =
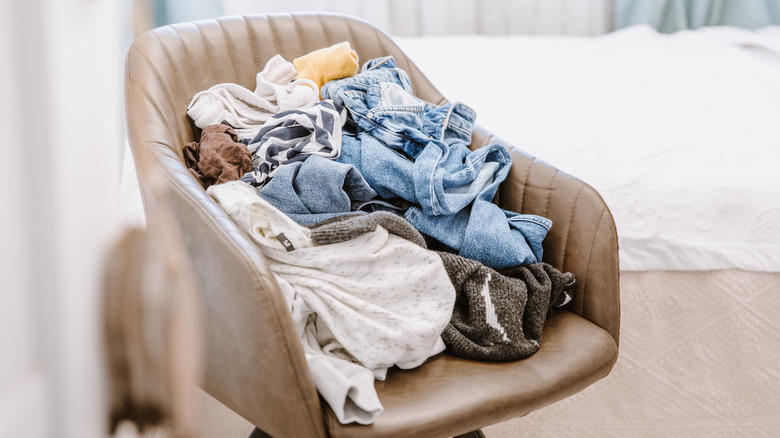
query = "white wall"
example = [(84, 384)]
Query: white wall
[(61, 124)]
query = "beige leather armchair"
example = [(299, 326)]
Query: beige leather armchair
[(254, 363)]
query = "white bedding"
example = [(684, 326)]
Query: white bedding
[(679, 133)]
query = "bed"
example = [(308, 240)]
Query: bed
[(680, 134)]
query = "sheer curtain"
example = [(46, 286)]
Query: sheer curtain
[(446, 17), (175, 11), (420, 17), (673, 15)]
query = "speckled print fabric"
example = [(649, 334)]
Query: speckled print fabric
[(377, 300), (498, 315)]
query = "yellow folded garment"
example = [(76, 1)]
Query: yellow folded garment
[(323, 65)]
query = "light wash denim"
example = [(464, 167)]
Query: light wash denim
[(317, 189), (407, 148)]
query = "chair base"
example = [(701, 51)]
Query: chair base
[(257, 433), (473, 434)]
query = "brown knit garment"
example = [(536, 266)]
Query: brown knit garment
[(500, 316), (219, 157)]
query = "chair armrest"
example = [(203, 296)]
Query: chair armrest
[(251, 343), (583, 239), (252, 346)]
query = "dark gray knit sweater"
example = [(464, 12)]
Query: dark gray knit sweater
[(498, 316)]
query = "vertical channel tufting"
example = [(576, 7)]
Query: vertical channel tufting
[(272, 27), (354, 41), (172, 64), (166, 92), (549, 191), (298, 34), (325, 33), (310, 28), (255, 53), (260, 31), (564, 250), (592, 245), (160, 114), (170, 97), (613, 325), (207, 47), (525, 183), (384, 52), (190, 59), (230, 50), (270, 34), (244, 56)]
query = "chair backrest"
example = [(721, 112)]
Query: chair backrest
[(172, 63)]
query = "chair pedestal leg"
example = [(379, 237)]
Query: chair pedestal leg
[(257, 433), (473, 434)]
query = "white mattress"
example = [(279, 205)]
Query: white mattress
[(679, 133)]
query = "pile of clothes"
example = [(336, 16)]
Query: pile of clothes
[(376, 219)]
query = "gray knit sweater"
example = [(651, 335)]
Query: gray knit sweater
[(498, 316)]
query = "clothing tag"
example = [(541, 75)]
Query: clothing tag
[(285, 241)]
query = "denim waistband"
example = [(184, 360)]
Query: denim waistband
[(401, 120), (364, 95)]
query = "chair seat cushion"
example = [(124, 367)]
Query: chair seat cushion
[(428, 401)]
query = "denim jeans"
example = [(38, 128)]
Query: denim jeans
[(405, 147), (317, 189)]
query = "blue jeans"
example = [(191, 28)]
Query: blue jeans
[(317, 189), (407, 148)]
